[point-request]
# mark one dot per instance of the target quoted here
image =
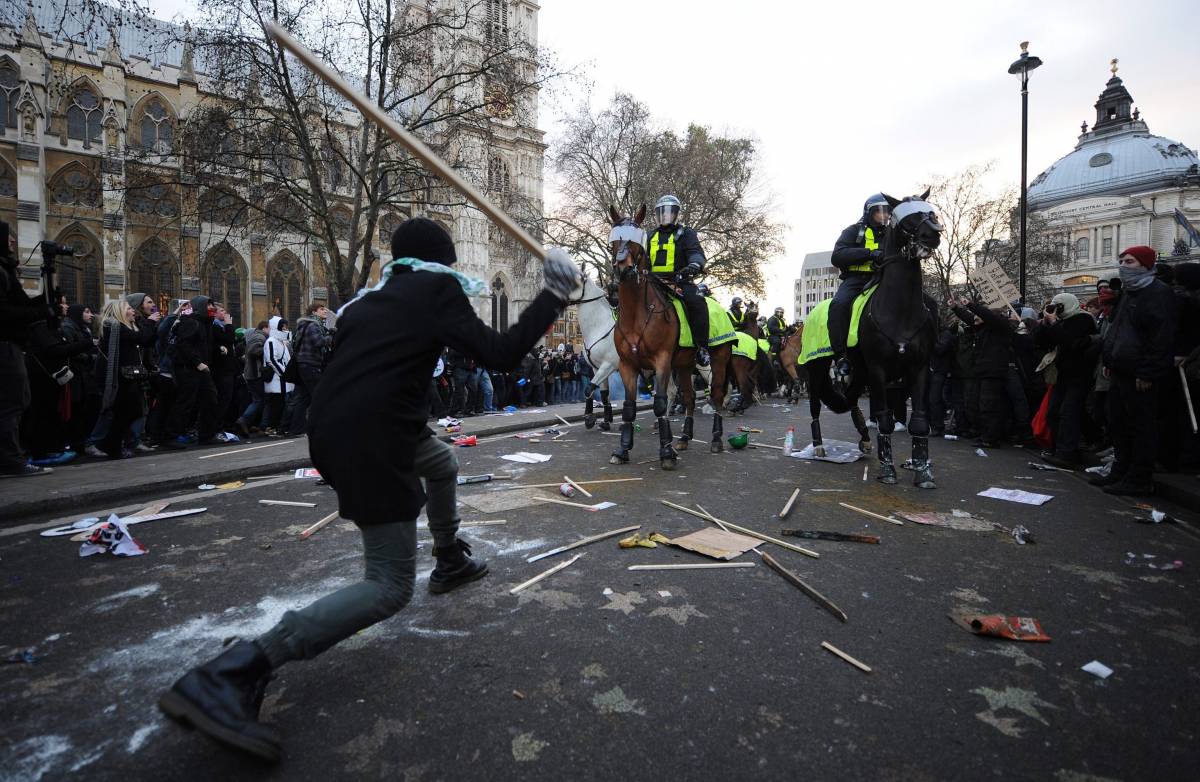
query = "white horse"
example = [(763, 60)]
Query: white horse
[(597, 320)]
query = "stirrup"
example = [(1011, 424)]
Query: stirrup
[(702, 357)]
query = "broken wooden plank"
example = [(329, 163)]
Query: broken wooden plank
[(816, 534), (581, 490), (546, 574), (743, 530), (787, 508), (797, 582), (856, 663), (319, 525), (693, 566), (888, 519), (289, 503), (583, 542)]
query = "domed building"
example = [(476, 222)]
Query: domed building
[(1120, 186)]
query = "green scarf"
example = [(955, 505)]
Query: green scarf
[(470, 285)]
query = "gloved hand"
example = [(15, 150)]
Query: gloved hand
[(560, 274), (692, 269), (876, 256)]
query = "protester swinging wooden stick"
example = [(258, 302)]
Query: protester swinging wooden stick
[(407, 140)]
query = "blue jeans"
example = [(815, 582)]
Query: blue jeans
[(253, 412), (485, 389)]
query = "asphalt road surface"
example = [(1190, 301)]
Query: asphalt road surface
[(602, 673)]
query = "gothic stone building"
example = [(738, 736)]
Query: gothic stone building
[(75, 101)]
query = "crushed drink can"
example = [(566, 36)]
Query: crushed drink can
[(566, 490)]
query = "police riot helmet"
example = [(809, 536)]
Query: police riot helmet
[(703, 290), (877, 205), (666, 209), (737, 301), (779, 310)]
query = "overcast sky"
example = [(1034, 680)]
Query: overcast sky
[(849, 98)]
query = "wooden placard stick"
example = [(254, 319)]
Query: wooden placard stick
[(556, 485), (860, 665), (325, 522), (583, 542), (579, 488), (797, 582), (693, 566), (407, 140), (788, 507), (850, 537), (562, 502), (1187, 395), (765, 445), (565, 421), (743, 530), (872, 515), (289, 503), (546, 574), (712, 518)]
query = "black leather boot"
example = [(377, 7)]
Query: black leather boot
[(454, 568), (222, 697)]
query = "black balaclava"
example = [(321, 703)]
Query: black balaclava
[(422, 238)]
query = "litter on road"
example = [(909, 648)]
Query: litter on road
[(545, 574), (743, 530), (693, 566), (856, 663), (112, 537), (85, 526), (578, 488), (596, 507), (1097, 668), (955, 519), (1016, 495), (319, 525), (799, 583), (527, 457), (555, 485), (1012, 628), (290, 503), (836, 451), (845, 537), (584, 542), (787, 508), (857, 509), (715, 543)]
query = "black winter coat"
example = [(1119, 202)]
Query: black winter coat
[(849, 250), (944, 350), (1073, 338), (1142, 337), (993, 340), (368, 413), (17, 308), (193, 341)]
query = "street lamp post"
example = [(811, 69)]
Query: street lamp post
[(1022, 66)]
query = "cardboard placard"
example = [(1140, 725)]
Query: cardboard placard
[(994, 286)]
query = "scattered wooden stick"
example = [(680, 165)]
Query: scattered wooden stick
[(265, 477), (888, 519), (743, 530), (693, 566), (583, 542), (856, 663), (546, 574), (765, 445), (865, 470), (483, 523), (788, 507), (850, 537), (289, 503), (555, 485), (325, 522), (712, 518), (797, 582), (565, 421), (557, 501), (581, 490), (1187, 395)]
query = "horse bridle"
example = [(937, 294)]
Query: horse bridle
[(913, 249), (622, 234)]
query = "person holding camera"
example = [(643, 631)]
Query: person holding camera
[(18, 313), (1066, 328)]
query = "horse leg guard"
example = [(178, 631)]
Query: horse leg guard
[(922, 474), (918, 425), (666, 453), (887, 470), (686, 436), (818, 443), (718, 432), (628, 413), (606, 424), (589, 420), (860, 423)]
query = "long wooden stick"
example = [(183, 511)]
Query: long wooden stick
[(856, 663), (850, 537), (581, 490), (693, 566), (872, 515), (325, 522), (410, 142), (546, 574), (712, 518), (583, 542), (797, 582), (562, 502), (288, 503), (788, 507), (555, 485), (1187, 395), (744, 531), (243, 450)]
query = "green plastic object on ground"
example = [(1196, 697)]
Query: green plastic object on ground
[(739, 441)]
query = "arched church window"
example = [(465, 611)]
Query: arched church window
[(154, 270), (155, 199), (387, 226), (83, 116), (80, 276), (223, 280), (156, 128), (74, 185), (10, 88), (8, 181), (499, 176), (499, 305), (287, 287), (218, 205), (1082, 248)]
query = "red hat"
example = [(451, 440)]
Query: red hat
[(1145, 255)]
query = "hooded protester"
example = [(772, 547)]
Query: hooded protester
[(368, 438), (1138, 358), (1067, 329), (277, 354), (189, 352)]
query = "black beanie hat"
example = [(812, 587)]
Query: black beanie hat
[(422, 238)]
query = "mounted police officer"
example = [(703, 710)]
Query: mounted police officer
[(776, 326), (736, 314), (676, 257), (858, 250)]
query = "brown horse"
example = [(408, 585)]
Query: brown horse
[(744, 368), (788, 357), (647, 337)]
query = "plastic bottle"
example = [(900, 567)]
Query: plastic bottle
[(789, 441)]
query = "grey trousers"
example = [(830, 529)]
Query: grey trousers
[(390, 554)]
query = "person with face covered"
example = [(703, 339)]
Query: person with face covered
[(190, 354), (369, 439), (1138, 358), (1067, 328)]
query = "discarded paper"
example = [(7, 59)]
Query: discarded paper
[(1016, 495)]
